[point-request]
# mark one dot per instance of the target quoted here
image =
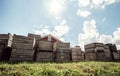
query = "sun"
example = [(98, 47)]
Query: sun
[(55, 7)]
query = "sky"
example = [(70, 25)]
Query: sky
[(76, 21)]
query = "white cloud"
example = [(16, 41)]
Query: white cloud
[(91, 34), (106, 38), (116, 38), (83, 3), (97, 3), (59, 31), (42, 31), (83, 13), (91, 4), (110, 1)]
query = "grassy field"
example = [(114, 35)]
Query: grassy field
[(60, 69)]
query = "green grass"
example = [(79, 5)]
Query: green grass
[(60, 69)]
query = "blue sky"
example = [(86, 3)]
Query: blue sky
[(76, 21)]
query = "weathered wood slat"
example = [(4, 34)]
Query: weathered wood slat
[(21, 55), (22, 46), (77, 54), (93, 45), (60, 45), (90, 56), (63, 54), (45, 45), (116, 55), (44, 56)]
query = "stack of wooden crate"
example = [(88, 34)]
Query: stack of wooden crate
[(45, 51), (36, 39), (90, 54), (22, 48), (62, 52), (44, 56), (116, 56), (60, 45), (77, 54), (113, 49), (94, 51), (5, 46), (107, 53), (45, 46), (119, 54), (100, 55)]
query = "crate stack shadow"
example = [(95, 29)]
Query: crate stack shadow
[(22, 48), (5, 46)]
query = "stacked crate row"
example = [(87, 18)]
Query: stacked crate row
[(94, 51), (114, 53), (45, 51), (44, 56), (36, 38), (108, 56), (62, 52), (5, 46), (119, 54), (22, 48), (77, 54)]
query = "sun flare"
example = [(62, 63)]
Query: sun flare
[(55, 7)]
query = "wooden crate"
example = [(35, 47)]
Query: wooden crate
[(22, 55), (22, 39), (118, 52), (1, 50), (60, 45), (63, 55), (93, 45), (45, 45), (90, 56), (22, 46), (28, 41), (94, 49), (6, 39), (5, 42), (76, 54), (44, 56), (116, 56), (106, 47), (100, 56), (112, 47), (107, 54), (91, 50), (37, 37), (22, 42)]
